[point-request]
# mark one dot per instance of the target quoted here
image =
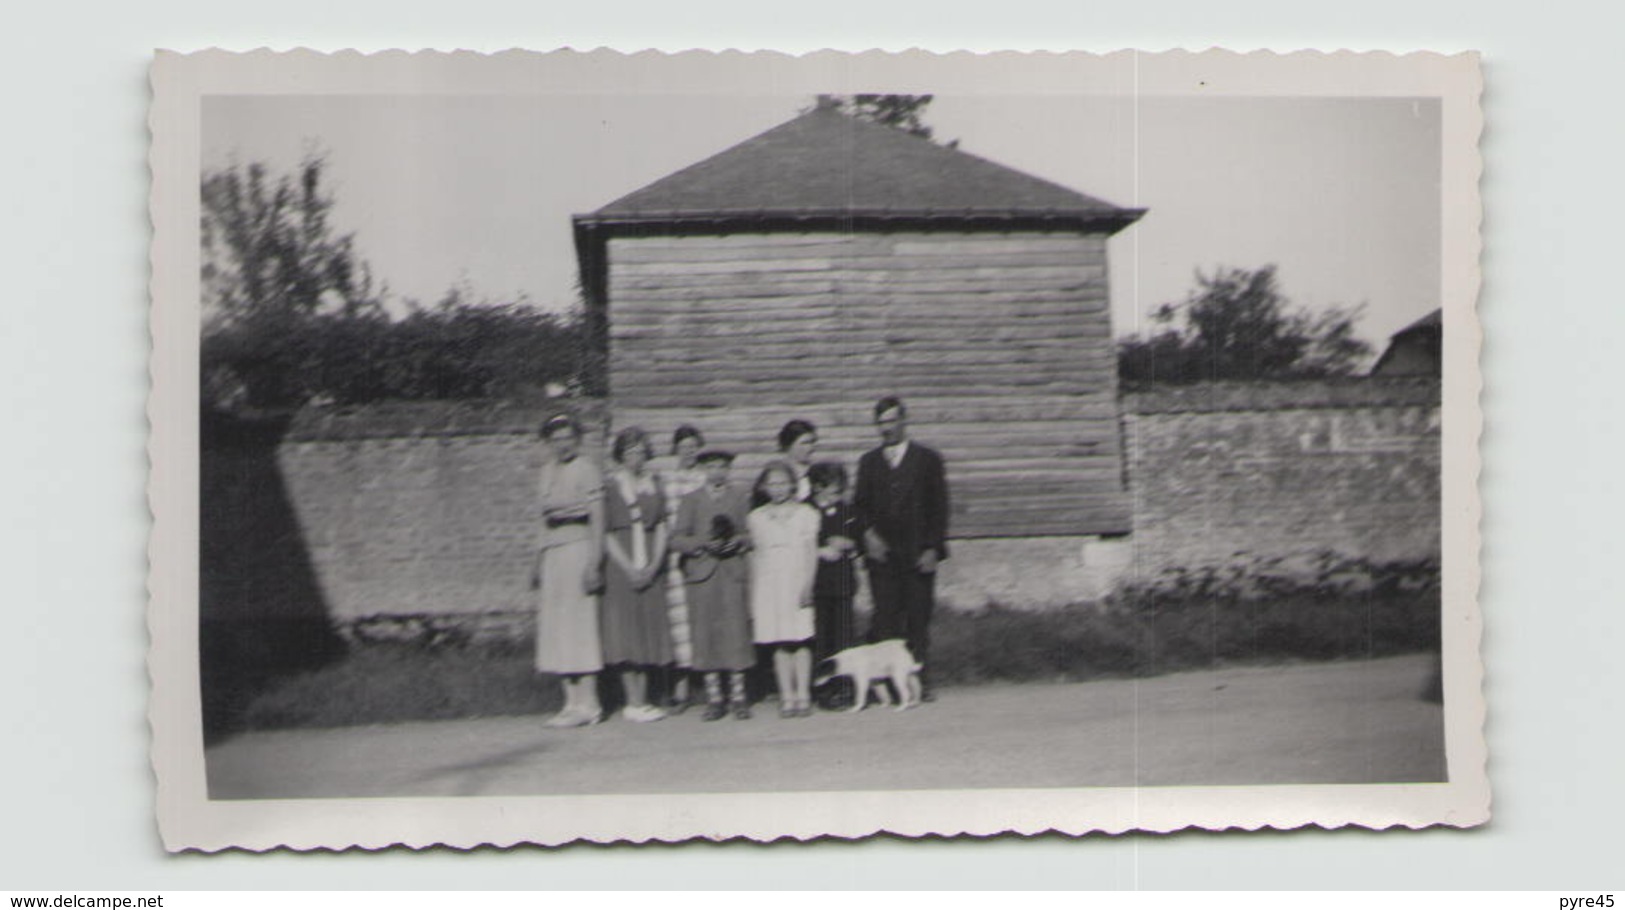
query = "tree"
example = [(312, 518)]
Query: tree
[(268, 252), (292, 315), (903, 112), (1236, 324), (274, 277)]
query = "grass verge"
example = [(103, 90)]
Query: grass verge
[(394, 682), (1187, 621)]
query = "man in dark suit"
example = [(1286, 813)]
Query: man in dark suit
[(901, 499)]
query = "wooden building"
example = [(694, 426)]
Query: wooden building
[(828, 261)]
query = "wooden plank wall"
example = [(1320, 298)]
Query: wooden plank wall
[(1000, 343)]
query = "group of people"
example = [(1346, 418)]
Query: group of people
[(679, 580)]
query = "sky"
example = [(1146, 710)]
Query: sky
[(476, 191)]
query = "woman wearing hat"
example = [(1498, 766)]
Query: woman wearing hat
[(710, 536)]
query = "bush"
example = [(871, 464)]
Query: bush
[(455, 350), (1252, 612), (1264, 610)]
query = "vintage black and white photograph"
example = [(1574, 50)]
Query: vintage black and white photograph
[(559, 447)]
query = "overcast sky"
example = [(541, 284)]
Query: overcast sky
[(1341, 194)]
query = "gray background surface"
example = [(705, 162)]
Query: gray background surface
[(72, 468)]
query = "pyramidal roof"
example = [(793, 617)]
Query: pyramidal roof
[(825, 164)]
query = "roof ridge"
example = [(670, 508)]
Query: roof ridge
[(706, 160), (826, 161), (956, 151)]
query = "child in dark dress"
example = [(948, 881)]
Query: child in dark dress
[(835, 586), (710, 535)]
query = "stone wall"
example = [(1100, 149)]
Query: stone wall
[(437, 524), (423, 509), (416, 513), (1227, 472), (426, 510)]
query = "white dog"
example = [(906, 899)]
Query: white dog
[(866, 664)]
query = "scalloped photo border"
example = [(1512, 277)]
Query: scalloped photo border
[(189, 820)]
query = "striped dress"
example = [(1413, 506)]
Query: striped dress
[(676, 483)]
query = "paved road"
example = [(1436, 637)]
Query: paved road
[(1355, 722)]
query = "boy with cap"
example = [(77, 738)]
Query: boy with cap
[(711, 535)]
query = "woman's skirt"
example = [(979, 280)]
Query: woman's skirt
[(567, 634), (636, 627)]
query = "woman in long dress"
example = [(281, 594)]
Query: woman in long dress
[(636, 629), (784, 559), (684, 477), (567, 573)]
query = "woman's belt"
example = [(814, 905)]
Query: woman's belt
[(556, 522)]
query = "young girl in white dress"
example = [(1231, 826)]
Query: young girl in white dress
[(784, 534)]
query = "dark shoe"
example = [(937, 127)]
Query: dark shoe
[(831, 700), (714, 711), (741, 711)]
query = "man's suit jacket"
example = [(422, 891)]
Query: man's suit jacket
[(907, 505)]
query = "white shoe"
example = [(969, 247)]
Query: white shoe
[(572, 718), (643, 714), (569, 718)]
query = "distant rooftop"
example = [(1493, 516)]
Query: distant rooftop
[(1433, 320), (1417, 349)]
